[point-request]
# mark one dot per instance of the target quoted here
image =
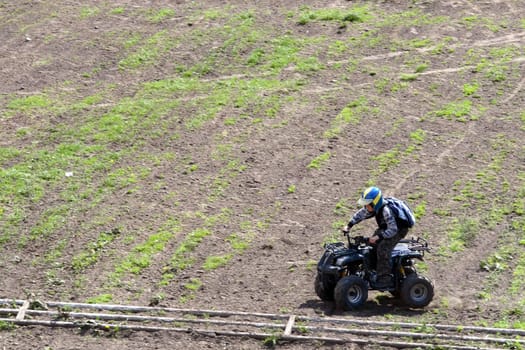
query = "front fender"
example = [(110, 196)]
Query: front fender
[(348, 259)]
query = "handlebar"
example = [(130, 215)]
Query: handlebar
[(357, 240), (416, 244)]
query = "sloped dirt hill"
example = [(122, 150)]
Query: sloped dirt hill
[(198, 155)]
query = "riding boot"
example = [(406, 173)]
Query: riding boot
[(384, 282)]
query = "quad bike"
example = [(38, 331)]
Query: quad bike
[(345, 274)]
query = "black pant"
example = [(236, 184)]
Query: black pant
[(384, 250)]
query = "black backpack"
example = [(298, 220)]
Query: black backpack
[(401, 211)]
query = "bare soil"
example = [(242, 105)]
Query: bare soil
[(44, 44)]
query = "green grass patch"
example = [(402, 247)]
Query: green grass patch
[(518, 275), (29, 103), (460, 111), (93, 252), (462, 234), (350, 114), (409, 18), (147, 52), (141, 256), (386, 160), (238, 243), (182, 259), (354, 14), (51, 220), (214, 262), (222, 181), (421, 68), (284, 53), (100, 299)]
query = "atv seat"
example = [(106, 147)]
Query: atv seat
[(402, 248)]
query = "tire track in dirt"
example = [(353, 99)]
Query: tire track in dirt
[(486, 241), (440, 158), (514, 93), (459, 69), (506, 39), (512, 38)]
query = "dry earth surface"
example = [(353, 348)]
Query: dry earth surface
[(248, 166)]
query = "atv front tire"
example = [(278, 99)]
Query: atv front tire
[(323, 288), (417, 291), (350, 292)]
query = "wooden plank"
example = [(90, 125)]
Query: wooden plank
[(22, 312), (289, 325)]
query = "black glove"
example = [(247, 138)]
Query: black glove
[(347, 228)]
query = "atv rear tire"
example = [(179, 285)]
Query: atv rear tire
[(409, 270), (323, 288), (417, 291), (350, 292)]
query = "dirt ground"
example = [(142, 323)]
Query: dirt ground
[(45, 46)]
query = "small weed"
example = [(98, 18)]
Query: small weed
[(161, 15), (237, 243), (284, 310), (51, 220), (271, 341), (318, 161), (193, 285), (424, 328), (518, 278), (148, 53), (100, 299), (408, 77), (117, 11), (470, 89), (494, 262), (6, 326), (421, 68), (420, 210), (291, 189), (418, 136), (87, 12), (413, 17), (311, 264)]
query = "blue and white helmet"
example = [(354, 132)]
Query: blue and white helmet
[(373, 196)]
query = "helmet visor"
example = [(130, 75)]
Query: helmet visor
[(364, 201)]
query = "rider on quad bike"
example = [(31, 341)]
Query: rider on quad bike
[(345, 273), (390, 231)]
